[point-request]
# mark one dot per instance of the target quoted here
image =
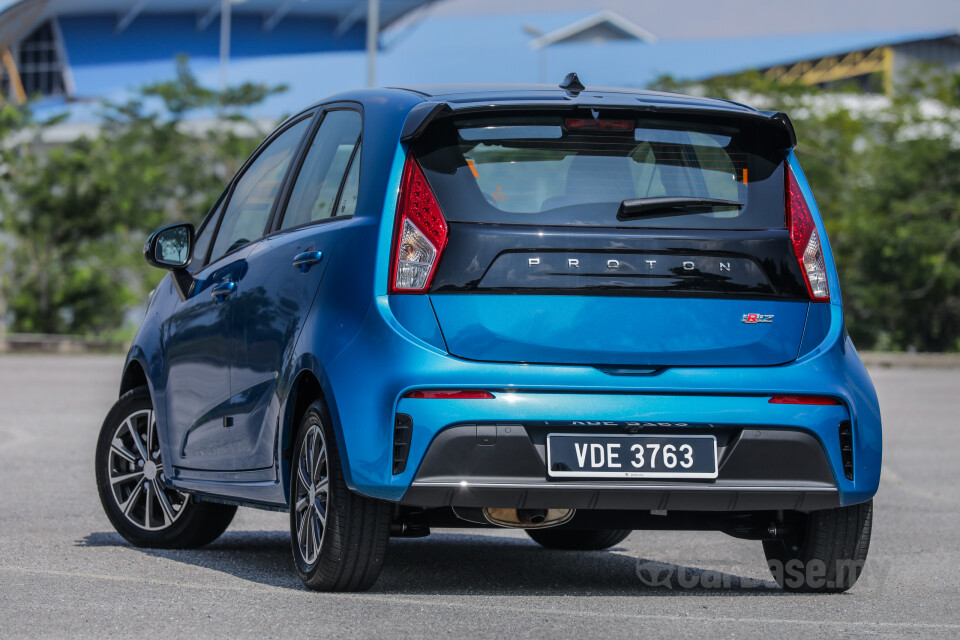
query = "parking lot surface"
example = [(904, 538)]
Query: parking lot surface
[(65, 573)]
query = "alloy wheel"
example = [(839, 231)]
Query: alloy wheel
[(137, 481), (312, 494)]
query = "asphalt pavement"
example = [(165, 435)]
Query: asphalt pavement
[(65, 573)]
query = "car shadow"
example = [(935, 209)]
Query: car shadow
[(466, 564)]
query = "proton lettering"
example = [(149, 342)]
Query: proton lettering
[(650, 265)]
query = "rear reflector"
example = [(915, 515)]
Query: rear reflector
[(449, 394), (420, 235), (806, 240), (784, 399)]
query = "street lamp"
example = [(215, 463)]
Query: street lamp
[(532, 31), (373, 35)]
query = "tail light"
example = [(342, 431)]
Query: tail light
[(420, 234), (806, 241), (790, 399)]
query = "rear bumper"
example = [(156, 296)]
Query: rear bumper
[(365, 383), (504, 466)]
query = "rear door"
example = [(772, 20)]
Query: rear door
[(550, 258), (281, 279), (199, 337)]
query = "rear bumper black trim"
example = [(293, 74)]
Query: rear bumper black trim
[(714, 497)]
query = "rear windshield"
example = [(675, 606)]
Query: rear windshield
[(577, 169)]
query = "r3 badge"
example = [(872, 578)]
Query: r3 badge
[(756, 318)]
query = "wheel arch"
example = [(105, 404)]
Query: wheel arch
[(134, 375), (307, 386)]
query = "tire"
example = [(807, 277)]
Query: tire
[(339, 538), (129, 471), (826, 553), (591, 540)]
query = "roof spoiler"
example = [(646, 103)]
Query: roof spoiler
[(422, 116), (779, 117)]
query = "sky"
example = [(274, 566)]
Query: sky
[(740, 18), (728, 18)]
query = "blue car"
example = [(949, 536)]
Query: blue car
[(578, 312)]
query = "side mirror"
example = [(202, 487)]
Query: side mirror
[(170, 247)]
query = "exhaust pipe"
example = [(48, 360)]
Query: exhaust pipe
[(531, 517), (527, 518)]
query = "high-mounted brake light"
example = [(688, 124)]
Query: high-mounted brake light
[(420, 234), (449, 394), (579, 124), (806, 240), (818, 400)]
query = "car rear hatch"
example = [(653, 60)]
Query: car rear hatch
[(613, 238)]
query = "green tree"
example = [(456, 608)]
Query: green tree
[(75, 216), (12, 121), (63, 253)]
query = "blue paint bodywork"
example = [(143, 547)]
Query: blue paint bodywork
[(336, 323), (660, 331)]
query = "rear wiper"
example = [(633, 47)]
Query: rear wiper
[(671, 206)]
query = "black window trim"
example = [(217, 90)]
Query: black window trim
[(280, 211), (211, 218), (298, 152)]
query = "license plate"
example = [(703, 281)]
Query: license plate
[(595, 456)]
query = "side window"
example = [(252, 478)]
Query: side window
[(202, 240), (253, 195), (335, 150), (347, 204)]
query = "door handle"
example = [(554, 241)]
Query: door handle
[(307, 259), (223, 290)]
